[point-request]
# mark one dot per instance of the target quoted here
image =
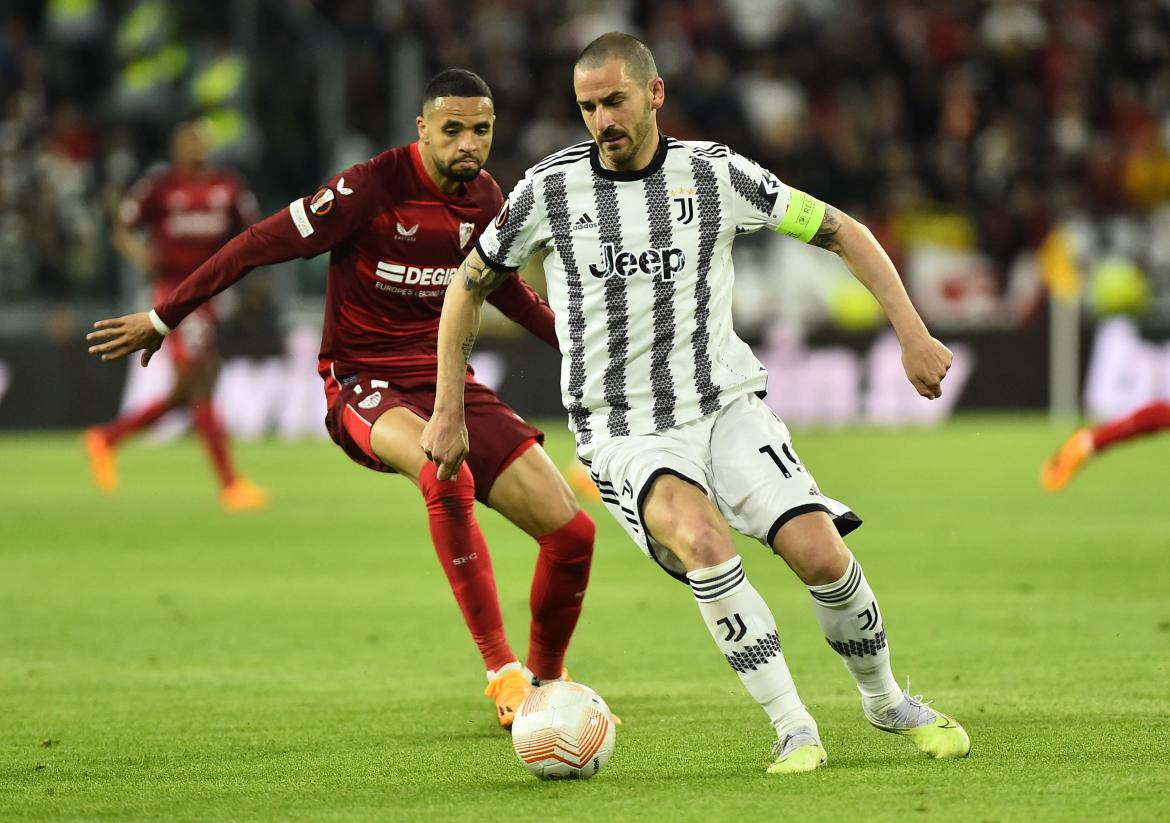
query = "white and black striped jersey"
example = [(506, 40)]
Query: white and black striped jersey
[(640, 277)]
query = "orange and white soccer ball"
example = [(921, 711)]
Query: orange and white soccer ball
[(563, 731)]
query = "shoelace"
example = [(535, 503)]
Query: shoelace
[(780, 747), (910, 710)]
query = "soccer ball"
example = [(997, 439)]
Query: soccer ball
[(563, 731)]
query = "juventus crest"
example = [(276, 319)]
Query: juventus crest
[(684, 205)]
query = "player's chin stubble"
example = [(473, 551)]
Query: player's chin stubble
[(463, 173)]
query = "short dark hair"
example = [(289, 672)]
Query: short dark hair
[(627, 48), (456, 83)]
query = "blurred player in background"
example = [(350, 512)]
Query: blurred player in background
[(1060, 467), (167, 226), (397, 227), (663, 397)]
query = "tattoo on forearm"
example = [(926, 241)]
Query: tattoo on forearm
[(826, 236), (468, 345), (480, 277)]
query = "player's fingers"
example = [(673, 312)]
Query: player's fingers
[(103, 324), (146, 355), (103, 334)]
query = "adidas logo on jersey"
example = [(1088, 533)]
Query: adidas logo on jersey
[(660, 264), (584, 222)]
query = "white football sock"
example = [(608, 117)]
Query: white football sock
[(514, 666), (848, 614), (745, 631)]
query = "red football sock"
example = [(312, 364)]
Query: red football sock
[(211, 431), (558, 590), (1146, 420), (464, 556), (135, 421)]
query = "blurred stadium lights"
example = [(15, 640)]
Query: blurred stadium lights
[(962, 134)]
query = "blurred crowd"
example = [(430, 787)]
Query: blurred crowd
[(963, 132)]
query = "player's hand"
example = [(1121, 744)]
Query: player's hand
[(117, 337), (926, 362), (444, 441)]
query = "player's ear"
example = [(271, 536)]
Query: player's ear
[(657, 93), (421, 123)]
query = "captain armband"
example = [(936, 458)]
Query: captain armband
[(803, 216)]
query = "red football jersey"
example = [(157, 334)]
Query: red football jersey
[(396, 240), (188, 216)]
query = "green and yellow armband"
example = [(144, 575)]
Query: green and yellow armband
[(803, 216)]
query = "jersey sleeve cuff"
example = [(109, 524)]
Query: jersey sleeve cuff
[(159, 326), (495, 264)]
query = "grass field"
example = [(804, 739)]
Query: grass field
[(160, 660)]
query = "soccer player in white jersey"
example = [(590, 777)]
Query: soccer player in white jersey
[(636, 229)]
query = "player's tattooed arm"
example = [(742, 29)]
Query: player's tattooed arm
[(467, 347), (477, 276), (827, 235)]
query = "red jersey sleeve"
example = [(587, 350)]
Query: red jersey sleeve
[(140, 205), (523, 306), (309, 226)]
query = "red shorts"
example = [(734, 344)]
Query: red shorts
[(497, 434), (193, 340)]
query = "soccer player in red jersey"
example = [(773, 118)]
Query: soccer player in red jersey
[(1060, 467), (189, 211), (397, 227)]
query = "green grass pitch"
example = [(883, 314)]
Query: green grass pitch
[(160, 660)]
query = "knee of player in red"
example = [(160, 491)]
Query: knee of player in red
[(463, 554), (558, 592)]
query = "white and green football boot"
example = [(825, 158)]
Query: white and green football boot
[(933, 732), (800, 751)]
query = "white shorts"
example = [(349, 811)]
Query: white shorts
[(741, 457)]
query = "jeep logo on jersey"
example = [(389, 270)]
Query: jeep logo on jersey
[(415, 275), (656, 263)]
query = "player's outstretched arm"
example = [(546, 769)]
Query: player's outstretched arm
[(118, 337), (925, 359), (444, 439)]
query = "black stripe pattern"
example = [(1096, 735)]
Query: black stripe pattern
[(707, 200), (839, 594), (517, 217), (661, 380), (557, 207), (616, 310), (752, 191), (754, 655), (714, 151), (859, 648), (567, 155), (728, 583)]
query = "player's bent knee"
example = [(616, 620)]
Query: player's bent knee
[(701, 545), (458, 493), (572, 543), (812, 548)]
